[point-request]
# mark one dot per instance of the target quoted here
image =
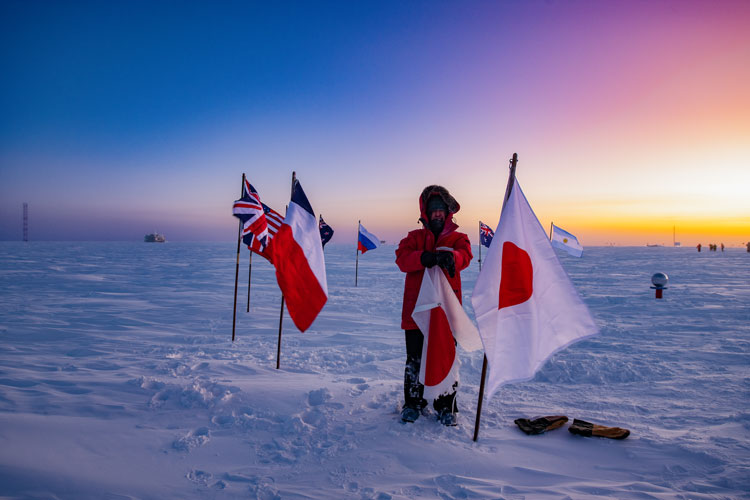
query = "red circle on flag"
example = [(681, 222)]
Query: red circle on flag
[(517, 276)]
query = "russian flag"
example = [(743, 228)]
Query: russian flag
[(298, 259), (366, 240)]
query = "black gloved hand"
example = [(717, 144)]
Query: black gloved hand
[(428, 259), (446, 261)]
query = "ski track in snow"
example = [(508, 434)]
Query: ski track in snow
[(118, 379)]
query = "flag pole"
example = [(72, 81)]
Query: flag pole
[(249, 275), (237, 267), (356, 266), (511, 181), (480, 245), (281, 314), (550, 230)]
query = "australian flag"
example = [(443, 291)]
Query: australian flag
[(249, 210), (485, 234), (326, 231)]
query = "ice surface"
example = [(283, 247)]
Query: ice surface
[(118, 379)]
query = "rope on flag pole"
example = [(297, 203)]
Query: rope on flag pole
[(511, 180), (237, 267), (281, 314), (356, 267)]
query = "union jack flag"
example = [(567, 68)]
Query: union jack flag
[(250, 211), (485, 234), (274, 220)]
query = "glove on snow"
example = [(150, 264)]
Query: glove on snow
[(540, 425), (583, 428)]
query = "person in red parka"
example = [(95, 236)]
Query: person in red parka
[(436, 244)]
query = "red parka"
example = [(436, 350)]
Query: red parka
[(409, 252)]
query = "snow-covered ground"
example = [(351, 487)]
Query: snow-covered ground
[(118, 379)]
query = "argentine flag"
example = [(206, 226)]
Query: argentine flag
[(565, 241)]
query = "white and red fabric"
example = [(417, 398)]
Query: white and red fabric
[(297, 255), (525, 304), (441, 318)]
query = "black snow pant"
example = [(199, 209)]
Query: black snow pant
[(413, 390)]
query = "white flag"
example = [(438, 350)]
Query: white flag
[(565, 241), (526, 307), (441, 318)]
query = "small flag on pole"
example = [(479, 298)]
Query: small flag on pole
[(526, 306), (565, 241), (249, 210), (298, 258), (326, 231), (367, 240), (485, 234)]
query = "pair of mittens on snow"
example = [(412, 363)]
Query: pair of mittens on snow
[(579, 427)]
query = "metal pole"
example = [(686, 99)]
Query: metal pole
[(249, 274), (281, 314), (511, 180), (550, 230), (237, 267), (480, 245), (356, 252)]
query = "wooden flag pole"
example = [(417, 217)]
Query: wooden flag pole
[(550, 230), (356, 266), (511, 180), (249, 275), (480, 245), (237, 267), (281, 314)]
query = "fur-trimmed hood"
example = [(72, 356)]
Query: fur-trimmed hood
[(450, 201)]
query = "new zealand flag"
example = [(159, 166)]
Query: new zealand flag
[(326, 231)]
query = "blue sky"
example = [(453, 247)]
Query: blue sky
[(121, 118)]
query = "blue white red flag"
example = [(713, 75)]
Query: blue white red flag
[(366, 240), (525, 304), (297, 255), (249, 210), (326, 231), (485, 234)]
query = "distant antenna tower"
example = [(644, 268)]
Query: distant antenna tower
[(25, 222)]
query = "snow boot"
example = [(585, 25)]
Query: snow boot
[(409, 414), (447, 417), (583, 428), (541, 424)]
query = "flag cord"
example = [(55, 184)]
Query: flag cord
[(511, 180)]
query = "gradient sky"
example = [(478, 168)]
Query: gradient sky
[(629, 117)]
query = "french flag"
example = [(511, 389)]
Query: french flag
[(298, 259), (366, 240)]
